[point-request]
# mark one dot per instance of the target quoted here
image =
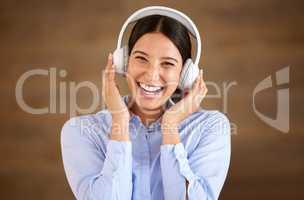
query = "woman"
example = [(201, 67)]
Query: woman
[(142, 146)]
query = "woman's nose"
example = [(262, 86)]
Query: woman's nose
[(153, 73)]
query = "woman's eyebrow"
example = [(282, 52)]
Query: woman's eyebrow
[(144, 53), (170, 58), (141, 52)]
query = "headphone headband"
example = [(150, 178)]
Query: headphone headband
[(169, 12)]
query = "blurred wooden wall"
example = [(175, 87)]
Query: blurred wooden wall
[(243, 41)]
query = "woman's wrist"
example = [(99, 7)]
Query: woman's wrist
[(119, 137), (169, 126), (170, 133), (170, 139), (120, 118), (120, 129)]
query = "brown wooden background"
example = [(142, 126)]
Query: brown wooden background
[(243, 41)]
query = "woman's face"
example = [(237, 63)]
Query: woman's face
[(153, 70)]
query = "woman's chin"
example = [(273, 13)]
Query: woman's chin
[(148, 104)]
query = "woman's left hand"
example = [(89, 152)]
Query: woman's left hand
[(189, 104)]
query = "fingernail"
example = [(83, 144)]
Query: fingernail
[(110, 55)]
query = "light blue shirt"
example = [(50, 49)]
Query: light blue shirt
[(98, 168)]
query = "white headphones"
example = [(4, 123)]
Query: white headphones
[(190, 69)]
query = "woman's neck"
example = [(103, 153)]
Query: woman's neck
[(147, 116)]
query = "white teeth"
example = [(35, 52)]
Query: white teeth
[(149, 88)]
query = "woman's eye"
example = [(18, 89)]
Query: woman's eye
[(141, 58), (168, 64)]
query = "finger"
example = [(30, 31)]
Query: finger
[(194, 88), (108, 77), (202, 79), (202, 73), (105, 84), (118, 87), (197, 83), (110, 61), (110, 72), (203, 88), (199, 92)]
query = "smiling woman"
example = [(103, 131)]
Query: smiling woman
[(169, 46), (143, 146), (152, 68)]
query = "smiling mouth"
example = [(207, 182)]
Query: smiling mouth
[(150, 90)]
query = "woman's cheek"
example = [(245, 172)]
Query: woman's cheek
[(172, 79), (131, 82)]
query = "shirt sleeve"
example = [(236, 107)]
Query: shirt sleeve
[(93, 174), (205, 169)]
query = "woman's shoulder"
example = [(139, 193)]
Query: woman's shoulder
[(213, 116), (89, 121), (205, 127), (208, 115), (208, 119), (90, 126)]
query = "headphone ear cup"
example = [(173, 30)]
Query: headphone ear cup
[(188, 75), (120, 59)]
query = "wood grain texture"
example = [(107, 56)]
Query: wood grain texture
[(243, 41)]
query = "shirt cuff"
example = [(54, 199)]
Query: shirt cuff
[(118, 159), (180, 154)]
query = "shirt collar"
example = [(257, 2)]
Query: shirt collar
[(136, 118)]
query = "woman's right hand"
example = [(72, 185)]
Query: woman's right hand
[(113, 99)]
